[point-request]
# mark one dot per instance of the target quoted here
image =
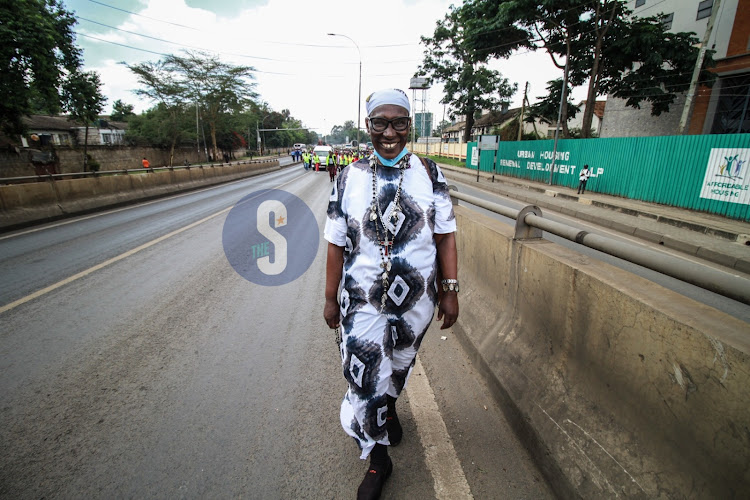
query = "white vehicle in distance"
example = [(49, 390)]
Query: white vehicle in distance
[(299, 146), (322, 153)]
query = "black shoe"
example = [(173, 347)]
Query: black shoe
[(372, 484), (395, 432)]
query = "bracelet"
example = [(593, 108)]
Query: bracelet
[(450, 285)]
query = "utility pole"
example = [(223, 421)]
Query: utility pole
[(690, 98), (563, 101), (523, 108)]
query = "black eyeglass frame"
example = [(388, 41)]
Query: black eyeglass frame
[(389, 123)]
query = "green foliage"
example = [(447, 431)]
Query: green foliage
[(449, 57), (82, 97), (37, 47), (93, 165), (121, 111), (633, 58), (217, 86), (441, 127), (339, 133), (161, 126)]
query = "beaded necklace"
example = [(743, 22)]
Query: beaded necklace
[(376, 214)]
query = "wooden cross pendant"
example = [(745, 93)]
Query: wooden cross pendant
[(386, 246)]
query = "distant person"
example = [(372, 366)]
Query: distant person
[(583, 178), (187, 163), (331, 164), (145, 163)]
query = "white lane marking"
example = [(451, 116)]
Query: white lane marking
[(440, 456), (86, 272), (130, 207)]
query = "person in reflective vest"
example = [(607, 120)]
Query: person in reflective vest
[(331, 164)]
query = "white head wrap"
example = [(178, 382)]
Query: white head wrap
[(387, 96)]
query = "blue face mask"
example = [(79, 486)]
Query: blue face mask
[(390, 163)]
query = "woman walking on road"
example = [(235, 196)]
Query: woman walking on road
[(392, 251)]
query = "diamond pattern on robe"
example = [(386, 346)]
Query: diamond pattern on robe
[(406, 285), (398, 335), (420, 337), (362, 366), (334, 201), (374, 422), (431, 213), (357, 430), (355, 298), (432, 292), (353, 235), (399, 377), (398, 290), (409, 224), (361, 164)]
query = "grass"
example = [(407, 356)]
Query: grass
[(447, 161)]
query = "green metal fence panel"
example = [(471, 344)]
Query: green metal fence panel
[(710, 173)]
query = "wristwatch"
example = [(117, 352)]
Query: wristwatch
[(450, 285)]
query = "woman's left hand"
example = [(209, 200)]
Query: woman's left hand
[(448, 309)]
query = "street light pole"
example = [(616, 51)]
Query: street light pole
[(359, 94)]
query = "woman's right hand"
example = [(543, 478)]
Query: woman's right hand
[(332, 313)]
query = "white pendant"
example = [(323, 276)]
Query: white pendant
[(373, 216)]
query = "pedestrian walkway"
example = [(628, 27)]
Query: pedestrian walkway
[(709, 237)]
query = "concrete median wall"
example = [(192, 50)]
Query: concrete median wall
[(33, 202), (620, 387)]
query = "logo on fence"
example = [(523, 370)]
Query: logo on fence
[(270, 237), (727, 176)]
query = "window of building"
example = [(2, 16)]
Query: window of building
[(638, 3), (667, 21), (732, 115), (704, 9)]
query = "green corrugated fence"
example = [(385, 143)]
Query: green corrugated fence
[(710, 173)]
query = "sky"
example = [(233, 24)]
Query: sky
[(297, 65)]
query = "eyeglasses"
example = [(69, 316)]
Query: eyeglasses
[(381, 124)]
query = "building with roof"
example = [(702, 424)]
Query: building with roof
[(47, 130), (722, 109)]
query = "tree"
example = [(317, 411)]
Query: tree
[(219, 87), (548, 107), (37, 48), (84, 101), (441, 127), (160, 85), (162, 127), (596, 41), (121, 111), (468, 83)]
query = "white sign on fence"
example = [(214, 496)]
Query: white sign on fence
[(488, 142), (475, 156), (727, 177)]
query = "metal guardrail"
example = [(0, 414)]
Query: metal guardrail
[(530, 223), (101, 173)]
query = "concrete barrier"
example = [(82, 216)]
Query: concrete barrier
[(621, 388), (34, 202)]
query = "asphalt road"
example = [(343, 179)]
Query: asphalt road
[(136, 363)]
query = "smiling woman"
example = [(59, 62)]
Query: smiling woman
[(387, 252)]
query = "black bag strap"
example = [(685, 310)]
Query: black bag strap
[(427, 167)]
